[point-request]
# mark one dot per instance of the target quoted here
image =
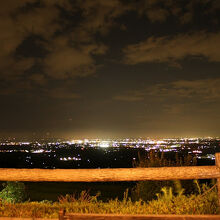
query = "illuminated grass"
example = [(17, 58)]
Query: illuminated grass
[(165, 204)]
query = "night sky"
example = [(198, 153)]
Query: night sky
[(109, 68)]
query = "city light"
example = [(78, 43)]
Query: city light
[(104, 144)]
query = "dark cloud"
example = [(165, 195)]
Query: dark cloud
[(64, 56), (177, 92), (199, 90), (183, 11), (100, 15), (63, 61), (174, 48), (38, 78), (16, 26), (71, 54), (130, 96)]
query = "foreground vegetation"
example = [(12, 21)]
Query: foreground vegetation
[(166, 203), (147, 197)]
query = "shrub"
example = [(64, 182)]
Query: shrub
[(147, 190), (13, 192)]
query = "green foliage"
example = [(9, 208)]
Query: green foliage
[(147, 190), (167, 194), (13, 192)]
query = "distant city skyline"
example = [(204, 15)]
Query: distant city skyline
[(109, 68)]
